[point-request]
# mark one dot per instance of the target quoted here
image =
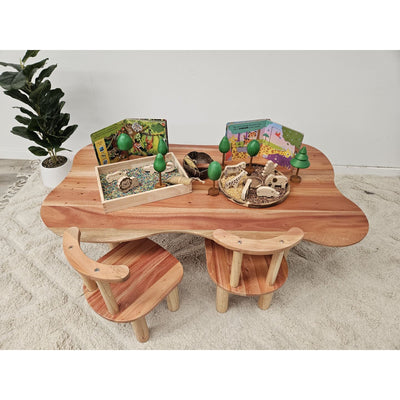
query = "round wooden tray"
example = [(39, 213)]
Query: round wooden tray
[(252, 200)]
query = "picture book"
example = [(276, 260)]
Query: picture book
[(145, 135), (277, 142)]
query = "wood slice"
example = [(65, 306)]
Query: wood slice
[(252, 200)]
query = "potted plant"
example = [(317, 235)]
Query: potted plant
[(42, 122)]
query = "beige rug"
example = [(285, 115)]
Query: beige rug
[(335, 298)]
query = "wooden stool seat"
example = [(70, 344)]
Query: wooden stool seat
[(153, 274), (249, 267), (128, 282), (253, 277)]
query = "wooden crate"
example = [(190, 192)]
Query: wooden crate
[(144, 197)]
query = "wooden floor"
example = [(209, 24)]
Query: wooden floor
[(9, 169)]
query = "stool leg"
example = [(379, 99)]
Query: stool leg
[(173, 300), (141, 329), (264, 301), (236, 268), (222, 300)]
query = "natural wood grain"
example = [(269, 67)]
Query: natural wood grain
[(141, 330), (173, 300), (108, 297), (264, 301), (222, 300), (253, 278), (258, 247), (88, 267), (315, 205), (154, 274), (236, 268)]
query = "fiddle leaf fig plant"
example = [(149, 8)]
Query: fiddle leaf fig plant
[(42, 120)]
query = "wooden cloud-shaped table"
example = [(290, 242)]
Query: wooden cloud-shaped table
[(315, 205)]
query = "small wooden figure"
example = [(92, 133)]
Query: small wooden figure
[(269, 168), (159, 165), (125, 183), (214, 173), (252, 150), (266, 191), (224, 147), (299, 161)]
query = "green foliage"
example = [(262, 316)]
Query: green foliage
[(162, 147), (224, 145), (159, 163), (124, 142), (300, 160), (157, 128), (214, 170), (43, 123), (253, 148)]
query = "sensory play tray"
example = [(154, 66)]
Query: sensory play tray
[(113, 199)]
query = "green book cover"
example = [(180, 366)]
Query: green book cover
[(145, 135)]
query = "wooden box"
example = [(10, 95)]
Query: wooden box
[(131, 200)]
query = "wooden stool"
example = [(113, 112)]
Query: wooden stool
[(128, 282), (248, 267)]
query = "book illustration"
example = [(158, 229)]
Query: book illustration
[(145, 135), (277, 142)]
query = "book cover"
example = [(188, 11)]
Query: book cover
[(145, 134), (278, 143)]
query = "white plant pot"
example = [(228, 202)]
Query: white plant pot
[(51, 177)]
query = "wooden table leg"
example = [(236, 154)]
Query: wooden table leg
[(264, 301)]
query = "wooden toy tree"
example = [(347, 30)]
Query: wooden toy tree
[(214, 172), (162, 147), (299, 161), (224, 147), (252, 150), (159, 165), (124, 143)]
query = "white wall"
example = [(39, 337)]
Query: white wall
[(347, 103)]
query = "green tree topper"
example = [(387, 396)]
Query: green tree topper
[(252, 150), (214, 172), (299, 161), (162, 147), (224, 147), (159, 165)]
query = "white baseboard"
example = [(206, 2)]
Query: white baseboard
[(366, 170)]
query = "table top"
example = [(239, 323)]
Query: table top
[(315, 205)]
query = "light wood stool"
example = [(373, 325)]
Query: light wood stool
[(128, 282), (248, 267)]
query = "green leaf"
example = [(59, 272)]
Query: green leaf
[(40, 90), (27, 112), (67, 132), (38, 151), (15, 94), (23, 120), (45, 74), (27, 134), (30, 53), (15, 66), (49, 103), (30, 70), (12, 80), (61, 121), (37, 124)]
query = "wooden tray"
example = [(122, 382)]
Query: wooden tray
[(131, 200)]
